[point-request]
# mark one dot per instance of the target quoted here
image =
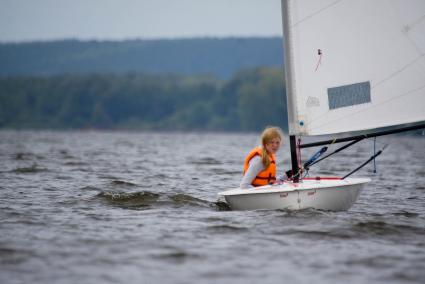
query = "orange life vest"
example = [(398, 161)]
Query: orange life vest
[(266, 176)]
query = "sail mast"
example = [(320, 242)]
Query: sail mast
[(290, 87), (289, 68)]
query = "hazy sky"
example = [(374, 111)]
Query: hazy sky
[(26, 20)]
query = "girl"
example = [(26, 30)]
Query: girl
[(260, 164)]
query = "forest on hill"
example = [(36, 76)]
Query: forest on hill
[(218, 57), (248, 101)]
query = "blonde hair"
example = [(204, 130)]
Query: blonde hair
[(269, 133)]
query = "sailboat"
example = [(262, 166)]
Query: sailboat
[(351, 67)]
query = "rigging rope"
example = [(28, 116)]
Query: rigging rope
[(374, 153)]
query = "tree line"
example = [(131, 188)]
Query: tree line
[(220, 57), (248, 101)]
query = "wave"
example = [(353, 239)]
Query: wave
[(135, 196), (13, 256), (130, 200), (221, 171), (88, 187), (28, 170), (357, 230), (185, 199), (24, 156), (206, 161), (381, 228), (176, 255), (222, 206), (76, 164), (376, 261), (146, 199), (406, 214), (122, 183), (226, 229)]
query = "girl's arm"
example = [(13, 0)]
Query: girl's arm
[(255, 166)]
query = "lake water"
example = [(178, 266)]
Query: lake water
[(123, 207)]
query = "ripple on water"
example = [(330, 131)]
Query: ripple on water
[(330, 233), (226, 228), (75, 163), (88, 188), (205, 161), (176, 255), (13, 256), (381, 228), (185, 199), (376, 261), (65, 154), (25, 156), (406, 214), (34, 168), (221, 171), (120, 183)]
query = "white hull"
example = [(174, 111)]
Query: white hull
[(323, 194)]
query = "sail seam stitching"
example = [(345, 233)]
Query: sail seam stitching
[(398, 71), (317, 12)]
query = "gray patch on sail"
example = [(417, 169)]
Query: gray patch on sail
[(312, 102), (349, 95)]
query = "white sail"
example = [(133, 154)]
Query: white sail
[(369, 72)]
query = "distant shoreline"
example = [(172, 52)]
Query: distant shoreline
[(219, 57)]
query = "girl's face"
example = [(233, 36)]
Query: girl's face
[(273, 145)]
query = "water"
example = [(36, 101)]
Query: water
[(117, 207)]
